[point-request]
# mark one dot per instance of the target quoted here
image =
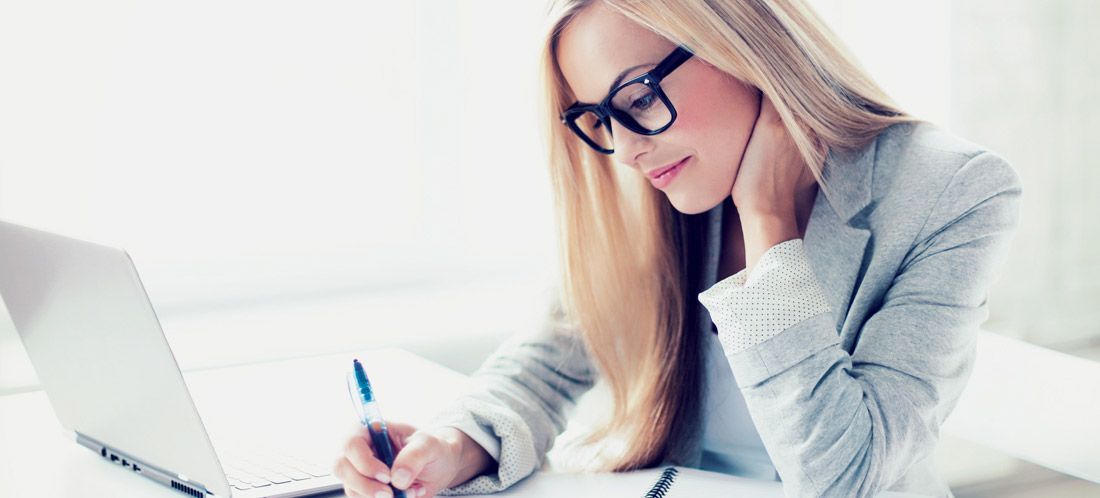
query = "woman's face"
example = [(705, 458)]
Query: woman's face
[(715, 111)]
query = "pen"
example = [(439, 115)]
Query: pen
[(371, 417)]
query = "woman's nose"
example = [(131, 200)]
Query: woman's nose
[(629, 146)]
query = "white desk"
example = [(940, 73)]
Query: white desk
[(38, 459), (1033, 403)]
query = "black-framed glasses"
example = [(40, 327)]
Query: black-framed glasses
[(639, 105)]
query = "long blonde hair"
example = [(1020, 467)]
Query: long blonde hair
[(628, 258)]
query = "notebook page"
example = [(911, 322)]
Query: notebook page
[(688, 483)]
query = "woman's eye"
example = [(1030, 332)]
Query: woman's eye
[(644, 102)]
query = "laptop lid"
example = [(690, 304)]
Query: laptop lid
[(96, 344)]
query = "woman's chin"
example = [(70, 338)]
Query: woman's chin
[(688, 204)]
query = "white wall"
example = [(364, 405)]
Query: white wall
[(258, 154), (253, 155)]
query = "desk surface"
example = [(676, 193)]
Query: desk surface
[(39, 459)]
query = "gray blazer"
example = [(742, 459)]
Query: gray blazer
[(849, 402)]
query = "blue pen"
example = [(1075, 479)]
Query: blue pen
[(370, 416)]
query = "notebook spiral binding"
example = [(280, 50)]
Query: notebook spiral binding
[(660, 488)]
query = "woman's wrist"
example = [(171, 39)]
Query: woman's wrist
[(762, 232), (472, 458)]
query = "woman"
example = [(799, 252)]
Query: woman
[(843, 250)]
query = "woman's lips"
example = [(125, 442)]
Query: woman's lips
[(665, 176), (660, 171)]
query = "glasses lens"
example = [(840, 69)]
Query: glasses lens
[(589, 123), (642, 103)]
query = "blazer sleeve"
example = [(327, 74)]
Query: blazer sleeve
[(523, 394), (840, 424)]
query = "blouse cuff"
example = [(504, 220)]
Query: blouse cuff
[(781, 292), (508, 440)]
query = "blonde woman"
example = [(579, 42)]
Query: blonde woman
[(777, 272)]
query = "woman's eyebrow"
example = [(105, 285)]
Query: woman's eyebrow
[(619, 78)]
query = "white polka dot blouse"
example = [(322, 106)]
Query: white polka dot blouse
[(782, 291)]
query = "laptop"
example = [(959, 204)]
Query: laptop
[(97, 346)]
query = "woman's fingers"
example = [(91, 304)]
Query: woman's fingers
[(356, 484), (399, 434), (360, 455), (424, 464), (412, 459)]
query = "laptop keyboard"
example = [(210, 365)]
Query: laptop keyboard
[(248, 470)]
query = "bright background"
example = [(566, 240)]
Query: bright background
[(300, 178)]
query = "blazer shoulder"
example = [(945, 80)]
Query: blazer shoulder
[(924, 178), (921, 160), (923, 147)]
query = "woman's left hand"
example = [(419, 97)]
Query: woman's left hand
[(771, 168), (767, 183)]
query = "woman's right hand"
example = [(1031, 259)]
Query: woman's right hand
[(426, 462)]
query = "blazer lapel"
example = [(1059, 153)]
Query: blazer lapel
[(836, 238)]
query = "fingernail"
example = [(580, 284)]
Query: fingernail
[(401, 478), (382, 494), (383, 477)]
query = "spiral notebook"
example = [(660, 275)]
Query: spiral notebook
[(663, 482), (680, 482), (676, 482)]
